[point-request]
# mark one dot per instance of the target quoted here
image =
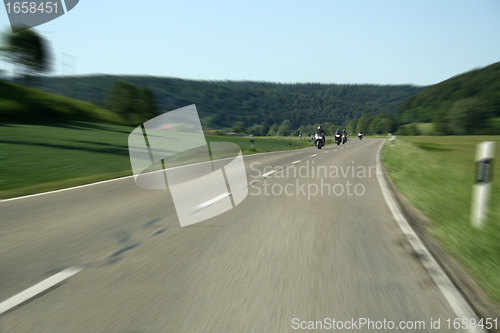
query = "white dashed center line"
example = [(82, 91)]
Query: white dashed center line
[(38, 288), (212, 201), (269, 173)]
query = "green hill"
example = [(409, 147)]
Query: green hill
[(224, 103), (478, 90), (20, 104)]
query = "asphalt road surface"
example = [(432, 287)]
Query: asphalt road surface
[(266, 265)]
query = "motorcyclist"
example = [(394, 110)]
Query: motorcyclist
[(344, 133), (321, 132), (339, 133)]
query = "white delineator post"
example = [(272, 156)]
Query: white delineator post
[(391, 138), (484, 168)]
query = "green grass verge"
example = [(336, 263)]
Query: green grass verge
[(39, 158), (436, 174)]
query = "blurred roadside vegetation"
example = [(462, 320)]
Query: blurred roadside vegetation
[(466, 104), (436, 174), (53, 156), (19, 104)]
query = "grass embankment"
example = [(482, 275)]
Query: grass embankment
[(38, 158), (21, 104), (428, 128), (436, 174)]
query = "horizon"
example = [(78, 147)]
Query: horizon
[(258, 81)]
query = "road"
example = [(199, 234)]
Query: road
[(255, 268)]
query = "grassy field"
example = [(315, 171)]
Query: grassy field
[(425, 128), (437, 174), (38, 158)]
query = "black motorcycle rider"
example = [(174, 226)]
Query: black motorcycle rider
[(340, 133)]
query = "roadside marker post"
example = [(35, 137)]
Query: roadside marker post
[(485, 152), (392, 138)]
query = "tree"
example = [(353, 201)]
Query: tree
[(285, 128), (239, 127), (375, 125), (387, 125), (441, 122), (303, 129), (208, 123), (134, 104), (364, 123), (351, 127), (147, 103), (29, 51), (413, 129), (124, 101), (273, 130), (255, 130), (468, 116), (264, 129)]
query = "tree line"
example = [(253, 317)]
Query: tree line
[(221, 105), (381, 123), (468, 103)]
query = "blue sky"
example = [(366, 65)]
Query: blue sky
[(379, 42)]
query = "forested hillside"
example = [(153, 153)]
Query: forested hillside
[(225, 103), (466, 102)]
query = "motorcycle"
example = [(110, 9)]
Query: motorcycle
[(360, 136), (338, 139), (318, 140), (344, 138)]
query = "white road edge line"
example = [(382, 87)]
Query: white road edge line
[(212, 201), (38, 288), (456, 301), (296, 162)]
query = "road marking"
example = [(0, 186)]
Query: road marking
[(38, 288), (296, 162), (314, 155), (335, 150), (269, 173), (325, 152), (451, 294), (214, 200), (251, 184)]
